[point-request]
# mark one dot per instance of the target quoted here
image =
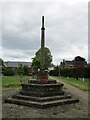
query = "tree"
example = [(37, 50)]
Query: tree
[(25, 68), (20, 71), (2, 66), (79, 63), (1, 62), (36, 59)]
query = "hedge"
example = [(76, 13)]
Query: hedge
[(8, 72), (67, 72)]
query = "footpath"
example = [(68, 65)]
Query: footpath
[(82, 95)]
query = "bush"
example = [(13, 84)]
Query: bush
[(54, 72), (67, 72), (87, 72), (8, 72)]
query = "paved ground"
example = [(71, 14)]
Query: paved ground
[(78, 110), (82, 95)]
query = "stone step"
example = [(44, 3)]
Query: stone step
[(41, 99), (41, 104), (42, 82), (41, 94), (41, 87)]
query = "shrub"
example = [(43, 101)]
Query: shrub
[(67, 72), (8, 72)]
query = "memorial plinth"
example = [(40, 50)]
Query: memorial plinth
[(42, 92)]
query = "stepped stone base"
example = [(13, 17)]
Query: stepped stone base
[(42, 94)]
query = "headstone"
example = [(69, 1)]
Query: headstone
[(83, 79)]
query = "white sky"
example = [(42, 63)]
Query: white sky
[(66, 24)]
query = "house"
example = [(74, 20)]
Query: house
[(15, 64), (67, 64), (71, 64)]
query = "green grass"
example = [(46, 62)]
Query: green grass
[(12, 82), (77, 83)]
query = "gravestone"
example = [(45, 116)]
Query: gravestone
[(42, 92)]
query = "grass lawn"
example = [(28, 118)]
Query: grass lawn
[(77, 83), (12, 82)]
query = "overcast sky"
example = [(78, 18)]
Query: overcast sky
[(66, 33)]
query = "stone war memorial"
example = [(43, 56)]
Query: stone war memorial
[(42, 92)]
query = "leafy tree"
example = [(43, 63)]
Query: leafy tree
[(25, 68), (36, 59), (1, 62), (20, 71), (79, 64), (2, 68)]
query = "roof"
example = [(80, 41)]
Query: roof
[(15, 64), (69, 62)]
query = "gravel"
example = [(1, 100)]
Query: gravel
[(77, 110)]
